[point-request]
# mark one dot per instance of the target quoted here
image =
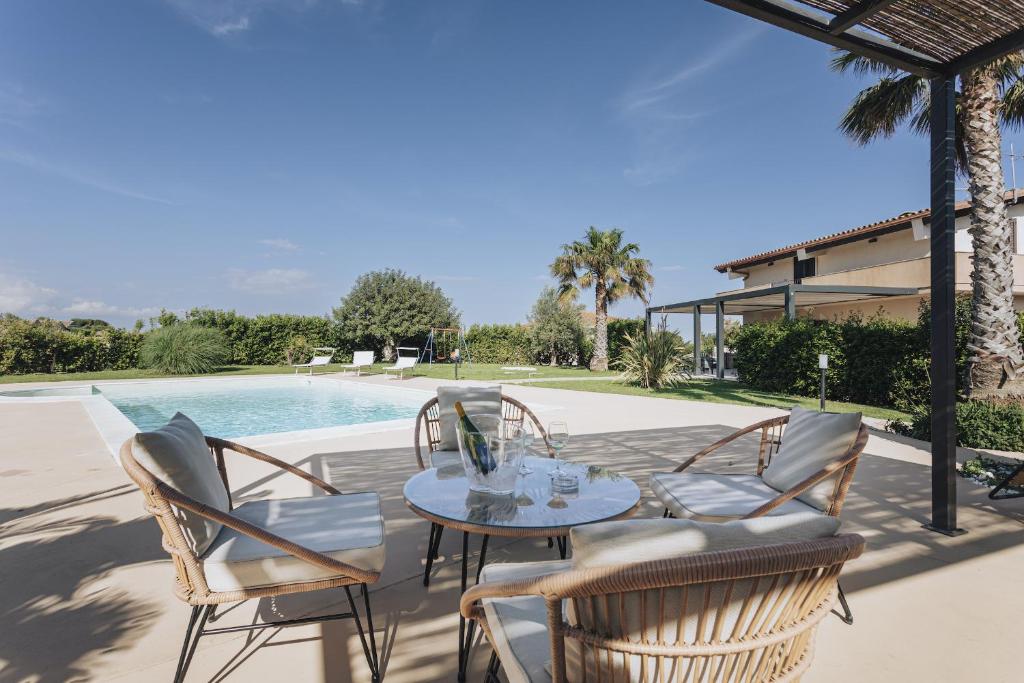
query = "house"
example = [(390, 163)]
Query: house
[(893, 253)]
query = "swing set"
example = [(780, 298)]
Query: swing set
[(445, 345)]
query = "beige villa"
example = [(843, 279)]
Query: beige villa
[(893, 253)]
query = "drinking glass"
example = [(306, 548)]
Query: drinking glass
[(528, 439), (558, 438)]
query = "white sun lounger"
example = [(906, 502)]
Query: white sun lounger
[(512, 369), (360, 359), (318, 360), (401, 365)]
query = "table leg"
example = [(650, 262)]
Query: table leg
[(466, 631), (563, 545)]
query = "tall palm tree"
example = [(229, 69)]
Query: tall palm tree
[(612, 268), (987, 95)]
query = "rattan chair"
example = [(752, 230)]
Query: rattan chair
[(428, 426), (734, 496), (193, 585), (746, 615)]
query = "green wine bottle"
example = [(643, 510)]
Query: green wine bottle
[(474, 442)]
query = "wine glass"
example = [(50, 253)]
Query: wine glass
[(558, 438), (528, 439)]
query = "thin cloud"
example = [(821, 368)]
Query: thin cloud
[(101, 308), (17, 104), (18, 295), (271, 281), (280, 244), (77, 175), (227, 18)]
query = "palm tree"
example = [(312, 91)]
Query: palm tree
[(612, 268), (987, 95)]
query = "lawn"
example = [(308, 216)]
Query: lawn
[(481, 371), (714, 391)]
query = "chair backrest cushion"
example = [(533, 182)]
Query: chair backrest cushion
[(362, 358), (475, 401), (405, 362), (647, 540), (811, 441), (177, 455), (320, 360)]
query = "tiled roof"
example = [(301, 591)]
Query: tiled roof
[(903, 221)]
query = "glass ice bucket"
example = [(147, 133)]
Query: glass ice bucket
[(494, 464)]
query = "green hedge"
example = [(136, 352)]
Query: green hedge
[(500, 344), (980, 424), (44, 345), (267, 339)]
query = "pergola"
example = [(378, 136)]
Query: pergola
[(785, 297), (937, 39)]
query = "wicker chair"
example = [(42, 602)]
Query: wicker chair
[(308, 570), (428, 424), (740, 615), (718, 497)]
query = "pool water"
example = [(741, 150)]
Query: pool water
[(234, 408)]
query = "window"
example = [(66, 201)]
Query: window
[(805, 268)]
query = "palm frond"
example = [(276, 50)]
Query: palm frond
[(1012, 111), (879, 110), (844, 61)]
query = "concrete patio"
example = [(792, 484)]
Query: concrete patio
[(87, 588)]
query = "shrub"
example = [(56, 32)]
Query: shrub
[(998, 425), (653, 360), (184, 349), (500, 344), (618, 331), (556, 329)]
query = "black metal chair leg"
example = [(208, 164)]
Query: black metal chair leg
[(189, 648), (371, 656), (483, 558), (847, 615), (432, 542), (373, 636), (551, 542), (563, 546), (493, 667), (996, 493)]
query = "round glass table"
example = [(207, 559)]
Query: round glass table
[(442, 496)]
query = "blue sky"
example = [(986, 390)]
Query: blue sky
[(260, 154)]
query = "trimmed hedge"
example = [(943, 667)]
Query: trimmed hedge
[(44, 345), (500, 344), (267, 339), (998, 425)]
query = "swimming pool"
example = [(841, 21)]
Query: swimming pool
[(233, 409), (258, 409)]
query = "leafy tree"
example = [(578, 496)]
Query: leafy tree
[(556, 327), (88, 325), (139, 324), (387, 307), (988, 94), (165, 319), (612, 268)]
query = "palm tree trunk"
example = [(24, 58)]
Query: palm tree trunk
[(995, 340), (599, 361)]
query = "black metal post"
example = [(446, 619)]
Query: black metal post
[(790, 303), (698, 361), (943, 293), (720, 338), (823, 371)]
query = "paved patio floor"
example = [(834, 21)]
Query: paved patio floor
[(87, 589)]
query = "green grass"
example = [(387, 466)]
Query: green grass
[(437, 371), (713, 391)]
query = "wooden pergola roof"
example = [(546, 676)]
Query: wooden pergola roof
[(927, 37)]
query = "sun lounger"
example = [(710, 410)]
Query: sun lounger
[(318, 360), (360, 359), (400, 366)]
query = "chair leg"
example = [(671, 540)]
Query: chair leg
[(847, 615), (493, 667), (998, 492), (371, 654), (188, 648)]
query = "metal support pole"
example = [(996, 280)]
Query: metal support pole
[(943, 293), (698, 361), (790, 304), (720, 338)]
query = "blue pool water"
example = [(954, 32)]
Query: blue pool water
[(234, 408)]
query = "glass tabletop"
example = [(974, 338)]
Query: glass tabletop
[(603, 494)]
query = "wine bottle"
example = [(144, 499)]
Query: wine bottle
[(475, 442)]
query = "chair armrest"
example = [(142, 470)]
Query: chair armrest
[(229, 520), (219, 445), (732, 437), (504, 589)]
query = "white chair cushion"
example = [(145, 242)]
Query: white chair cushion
[(645, 540), (361, 358), (177, 455), (444, 458), (349, 528), (475, 401), (718, 497), (519, 626), (811, 441)]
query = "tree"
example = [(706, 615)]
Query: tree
[(556, 327), (612, 268), (388, 307), (988, 94)]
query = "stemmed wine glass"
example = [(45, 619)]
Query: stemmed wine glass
[(558, 438)]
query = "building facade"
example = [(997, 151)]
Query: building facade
[(890, 253)]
